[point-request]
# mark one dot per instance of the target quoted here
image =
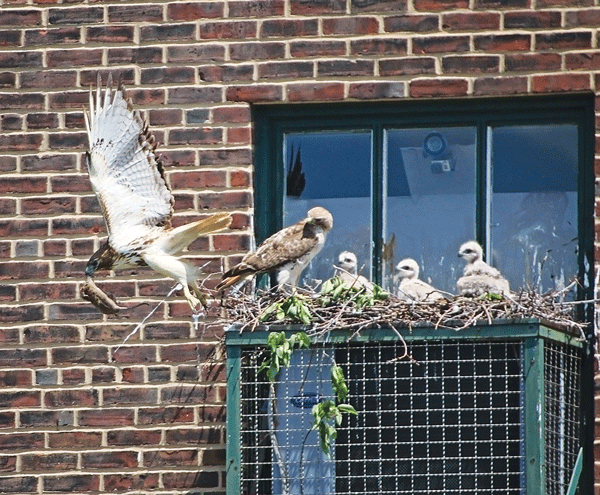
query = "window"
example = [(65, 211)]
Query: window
[(417, 180)]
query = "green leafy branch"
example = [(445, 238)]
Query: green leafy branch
[(328, 413), (336, 291), (281, 349), (294, 308)]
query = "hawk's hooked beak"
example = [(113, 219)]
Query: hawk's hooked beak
[(100, 260)]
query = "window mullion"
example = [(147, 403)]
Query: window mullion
[(378, 196)]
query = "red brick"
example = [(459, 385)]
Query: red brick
[(532, 62), (109, 34), (133, 437), (490, 86), (20, 17), (42, 120), (49, 462), (75, 15), (503, 4), (195, 95), (195, 53), (579, 18), (563, 40), (185, 352), (269, 50), (48, 79), (198, 179), (20, 59), (315, 91), (19, 142), (350, 25), (23, 441), (433, 5), (8, 463), (135, 13), (254, 93), (226, 200), (50, 333), (19, 399), (232, 114), (46, 291), (346, 68), (561, 82), (138, 55), (168, 32), (79, 355), (317, 48), (74, 57), (28, 101), (238, 135), (130, 482), (71, 483), (195, 479), (10, 38), (190, 11), (11, 122), (256, 8), (472, 21), (134, 354), (407, 66), (317, 7), (171, 458), (15, 378), (109, 460), (48, 205), (561, 3), (106, 417), (438, 87), (231, 242), (502, 42), (228, 30), (377, 90), (378, 46), (470, 63), (7, 80), (71, 398), (213, 457), (226, 73), (532, 20), (196, 136), (19, 484), (73, 376), (582, 60), (74, 439), (193, 436), (385, 6), (166, 415), (439, 44), (285, 70), (171, 75), (288, 28), (55, 36)]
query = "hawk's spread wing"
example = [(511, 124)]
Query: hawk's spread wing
[(124, 172)]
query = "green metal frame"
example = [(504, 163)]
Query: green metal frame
[(530, 331)]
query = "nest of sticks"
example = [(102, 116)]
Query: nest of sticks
[(252, 311)]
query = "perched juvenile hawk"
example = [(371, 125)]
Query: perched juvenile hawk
[(347, 270), (288, 251), (136, 202), (479, 277), (411, 288)]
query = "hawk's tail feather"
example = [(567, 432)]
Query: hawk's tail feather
[(180, 237), (228, 281)]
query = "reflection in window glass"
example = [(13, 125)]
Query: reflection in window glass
[(430, 203), (333, 170), (534, 204)]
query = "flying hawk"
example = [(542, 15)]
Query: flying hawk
[(136, 202), (347, 270), (479, 277), (288, 251), (411, 288)]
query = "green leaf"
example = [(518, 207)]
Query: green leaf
[(347, 408)]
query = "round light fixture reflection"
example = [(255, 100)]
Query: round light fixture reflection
[(434, 144)]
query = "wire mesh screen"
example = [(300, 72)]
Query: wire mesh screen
[(562, 364), (450, 420)]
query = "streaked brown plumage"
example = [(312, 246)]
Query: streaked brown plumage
[(288, 251), (136, 202)]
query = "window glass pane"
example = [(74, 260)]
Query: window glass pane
[(430, 203), (332, 170), (534, 205)]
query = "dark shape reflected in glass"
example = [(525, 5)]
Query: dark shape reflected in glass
[(296, 178)]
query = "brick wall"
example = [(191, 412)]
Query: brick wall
[(81, 413)]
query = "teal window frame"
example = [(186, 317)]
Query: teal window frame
[(272, 122)]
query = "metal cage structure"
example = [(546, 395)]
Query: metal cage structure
[(492, 409)]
